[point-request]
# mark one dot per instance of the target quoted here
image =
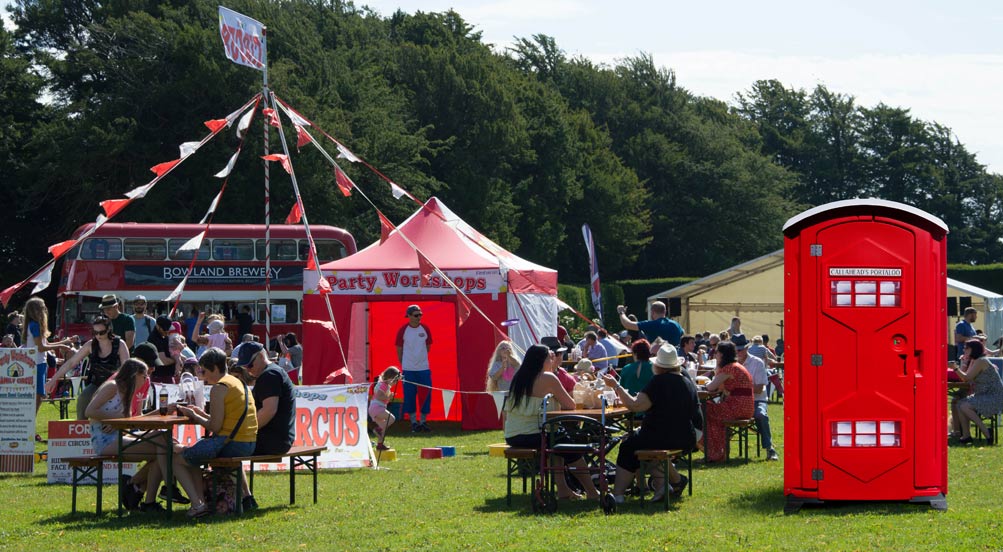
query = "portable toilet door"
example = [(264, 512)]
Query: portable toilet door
[(865, 398)]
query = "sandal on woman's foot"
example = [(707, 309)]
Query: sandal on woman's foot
[(198, 511), (572, 496)]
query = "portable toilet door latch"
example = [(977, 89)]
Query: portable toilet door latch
[(816, 360), (815, 250), (817, 475)]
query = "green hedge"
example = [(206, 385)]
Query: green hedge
[(632, 293), (988, 276)]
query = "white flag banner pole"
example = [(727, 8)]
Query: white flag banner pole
[(447, 400), (499, 397), (194, 243), (229, 167), (43, 280), (243, 39), (188, 148)]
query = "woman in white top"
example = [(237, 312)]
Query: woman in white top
[(533, 381)]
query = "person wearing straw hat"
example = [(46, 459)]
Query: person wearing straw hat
[(671, 420), (121, 325)]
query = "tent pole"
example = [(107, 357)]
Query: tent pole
[(268, 233)]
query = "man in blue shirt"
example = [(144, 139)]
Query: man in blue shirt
[(658, 326), (964, 330)]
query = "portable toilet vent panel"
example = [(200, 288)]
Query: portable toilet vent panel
[(865, 404)]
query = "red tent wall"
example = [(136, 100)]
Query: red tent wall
[(476, 340), (473, 343), (387, 317)]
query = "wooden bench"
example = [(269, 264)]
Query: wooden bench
[(298, 456), (84, 468), (663, 457), (741, 429), (521, 462), (63, 403)]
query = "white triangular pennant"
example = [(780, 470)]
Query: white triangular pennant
[(43, 279), (229, 166), (212, 208), (397, 191), (194, 243), (177, 291), (345, 154), (561, 305), (293, 116), (499, 397), (233, 116), (245, 122), (503, 270), (188, 148), (139, 192), (447, 400), (99, 222)]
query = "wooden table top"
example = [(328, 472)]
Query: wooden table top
[(148, 421)]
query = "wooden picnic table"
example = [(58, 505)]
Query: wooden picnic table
[(149, 428)]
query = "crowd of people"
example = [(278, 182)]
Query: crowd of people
[(126, 353), (655, 380)]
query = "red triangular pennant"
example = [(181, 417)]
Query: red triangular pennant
[(161, 169), (271, 116), (302, 138), (57, 249), (425, 267), (215, 124), (113, 206), (281, 159), (385, 227), (311, 261), (462, 308), (323, 286), (295, 214), (6, 294), (345, 184)]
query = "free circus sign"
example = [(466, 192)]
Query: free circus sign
[(406, 282)]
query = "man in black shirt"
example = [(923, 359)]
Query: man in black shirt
[(275, 401), (163, 373)]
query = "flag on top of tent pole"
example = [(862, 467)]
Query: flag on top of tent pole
[(243, 39), (593, 271)]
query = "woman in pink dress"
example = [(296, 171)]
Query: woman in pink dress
[(735, 385)]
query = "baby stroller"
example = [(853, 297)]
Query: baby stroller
[(577, 435)]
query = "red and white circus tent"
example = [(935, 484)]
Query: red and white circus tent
[(371, 290)]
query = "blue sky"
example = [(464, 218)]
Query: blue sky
[(943, 60)]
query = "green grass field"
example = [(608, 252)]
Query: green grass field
[(459, 503)]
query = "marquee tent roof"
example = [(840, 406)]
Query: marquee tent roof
[(451, 244)]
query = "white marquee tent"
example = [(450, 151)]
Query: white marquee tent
[(754, 291)]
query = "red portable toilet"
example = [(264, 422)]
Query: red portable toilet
[(865, 402)]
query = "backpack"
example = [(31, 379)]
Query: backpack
[(98, 371)]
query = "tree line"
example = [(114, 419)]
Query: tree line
[(526, 144)]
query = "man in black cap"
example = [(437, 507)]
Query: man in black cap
[(558, 348), (121, 325), (275, 401)]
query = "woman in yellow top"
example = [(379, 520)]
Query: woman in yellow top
[(229, 399)]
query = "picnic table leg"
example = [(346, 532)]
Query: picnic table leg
[(239, 506), (250, 483), (119, 461), (169, 476), (292, 480), (75, 480), (100, 485), (315, 479)]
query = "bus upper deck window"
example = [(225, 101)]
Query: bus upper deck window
[(101, 249), (145, 249), (327, 250)]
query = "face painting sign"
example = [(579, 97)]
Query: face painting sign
[(17, 410), (243, 39)]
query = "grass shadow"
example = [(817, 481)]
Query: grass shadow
[(522, 506), (87, 520)]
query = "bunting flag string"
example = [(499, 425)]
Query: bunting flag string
[(323, 286), (44, 278), (386, 227), (295, 214), (195, 243), (345, 184)]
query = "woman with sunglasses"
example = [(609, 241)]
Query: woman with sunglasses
[(105, 354)]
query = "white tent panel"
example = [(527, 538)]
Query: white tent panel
[(537, 315)]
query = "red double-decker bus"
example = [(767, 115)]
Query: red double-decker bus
[(130, 259)]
